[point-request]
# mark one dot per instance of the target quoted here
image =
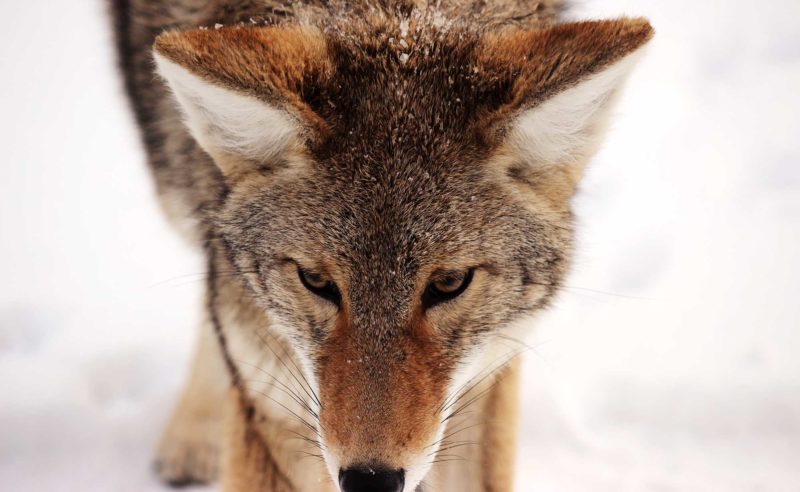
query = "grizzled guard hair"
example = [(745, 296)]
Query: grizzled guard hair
[(382, 190)]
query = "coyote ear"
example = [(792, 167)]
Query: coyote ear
[(245, 91), (562, 86)]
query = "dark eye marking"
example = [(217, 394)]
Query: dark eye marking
[(446, 287), (321, 285)]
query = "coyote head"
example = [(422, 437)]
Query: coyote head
[(397, 198)]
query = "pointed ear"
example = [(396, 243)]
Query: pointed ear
[(245, 92), (562, 86)]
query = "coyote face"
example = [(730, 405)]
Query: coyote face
[(397, 199), (392, 279)]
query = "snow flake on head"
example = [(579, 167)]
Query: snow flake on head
[(404, 28)]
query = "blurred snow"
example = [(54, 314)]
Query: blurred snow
[(669, 363)]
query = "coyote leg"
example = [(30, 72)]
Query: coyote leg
[(483, 441), (189, 449), (500, 438), (248, 464)]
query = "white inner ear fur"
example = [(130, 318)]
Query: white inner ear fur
[(226, 123), (568, 127)]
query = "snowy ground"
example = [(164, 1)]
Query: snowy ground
[(670, 363)]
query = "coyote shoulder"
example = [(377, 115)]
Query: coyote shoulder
[(382, 191)]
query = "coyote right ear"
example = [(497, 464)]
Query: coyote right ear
[(561, 85), (245, 91)]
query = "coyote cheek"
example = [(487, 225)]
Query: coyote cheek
[(380, 404)]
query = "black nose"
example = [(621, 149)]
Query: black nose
[(366, 479)]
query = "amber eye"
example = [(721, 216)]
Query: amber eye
[(446, 286), (320, 284)]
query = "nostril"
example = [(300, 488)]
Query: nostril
[(367, 479)]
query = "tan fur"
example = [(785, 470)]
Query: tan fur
[(265, 432), (404, 140), (248, 463), (492, 424), (500, 437), (189, 447)]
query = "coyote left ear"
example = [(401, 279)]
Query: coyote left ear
[(246, 91), (560, 83)]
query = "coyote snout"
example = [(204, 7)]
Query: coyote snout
[(380, 406)]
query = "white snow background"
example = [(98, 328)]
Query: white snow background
[(671, 362)]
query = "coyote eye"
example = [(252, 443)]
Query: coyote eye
[(319, 284), (446, 287)]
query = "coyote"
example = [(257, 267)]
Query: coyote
[(382, 192)]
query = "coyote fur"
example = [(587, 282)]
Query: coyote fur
[(382, 193)]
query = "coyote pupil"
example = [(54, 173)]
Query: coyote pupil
[(382, 191)]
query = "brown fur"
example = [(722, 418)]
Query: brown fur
[(405, 384), (187, 181), (227, 57), (403, 168)]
